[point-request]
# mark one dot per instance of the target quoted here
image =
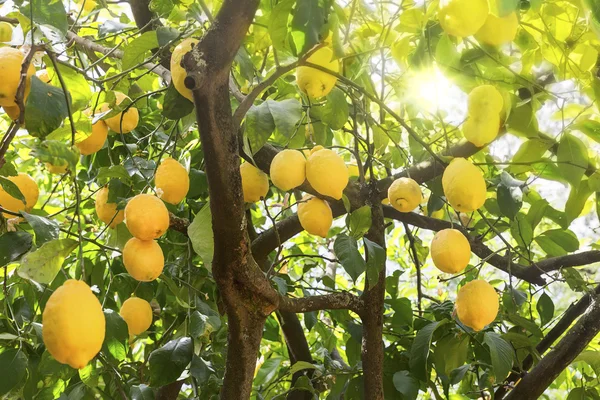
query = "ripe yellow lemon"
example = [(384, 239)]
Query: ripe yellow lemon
[(316, 83), (405, 194), (450, 251), (327, 173), (146, 217), (173, 180), (498, 30), (143, 259), (255, 183), (57, 169), (477, 304), (288, 169), (353, 170), (95, 141), (107, 212), (29, 189), (481, 130), (178, 73), (6, 30), (485, 100), (13, 112), (88, 6), (122, 123), (462, 18), (10, 71), (138, 315), (315, 215), (73, 324), (464, 186)]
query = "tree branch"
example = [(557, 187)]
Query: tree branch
[(333, 301)]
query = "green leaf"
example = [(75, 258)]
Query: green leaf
[(359, 221), (529, 152), (406, 384), (169, 361), (43, 264), (134, 53), (346, 250), (201, 235), (503, 7), (47, 14), (8, 169), (545, 307), (501, 353), (558, 242), (141, 392), (335, 113), (419, 352), (119, 172), (13, 367), (522, 121), (589, 127), (12, 189), (300, 366), (592, 358), (450, 353), (76, 84), (46, 108), (308, 19), (55, 153), (259, 126), (116, 337), (13, 245), (278, 24), (510, 200), (521, 230), (574, 279), (175, 106), (268, 370), (286, 115), (201, 369), (202, 324), (45, 229), (165, 35), (572, 157), (578, 196), (375, 261)]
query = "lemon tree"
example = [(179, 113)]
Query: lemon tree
[(299, 199)]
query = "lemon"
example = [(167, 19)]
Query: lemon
[(255, 183), (146, 217), (173, 180), (57, 169), (498, 30), (73, 324), (143, 259), (107, 212), (464, 186), (450, 251), (327, 173), (481, 130), (13, 112), (477, 304), (462, 17), (288, 169), (95, 141), (485, 100), (6, 30), (315, 215), (405, 194), (29, 190), (122, 123), (178, 73), (353, 170), (315, 149), (316, 83), (10, 71), (43, 75), (138, 315)]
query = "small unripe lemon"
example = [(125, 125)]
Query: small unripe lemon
[(122, 123), (178, 73), (316, 83), (481, 130), (173, 180), (464, 186), (138, 315), (255, 183), (327, 173), (462, 18), (143, 259), (10, 71), (405, 194), (315, 215), (107, 212), (477, 304), (95, 141), (57, 169), (29, 189), (6, 30), (288, 169), (498, 30), (73, 324), (485, 100), (146, 217), (450, 251)]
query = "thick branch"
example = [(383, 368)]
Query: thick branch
[(333, 301), (570, 260), (532, 386)]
